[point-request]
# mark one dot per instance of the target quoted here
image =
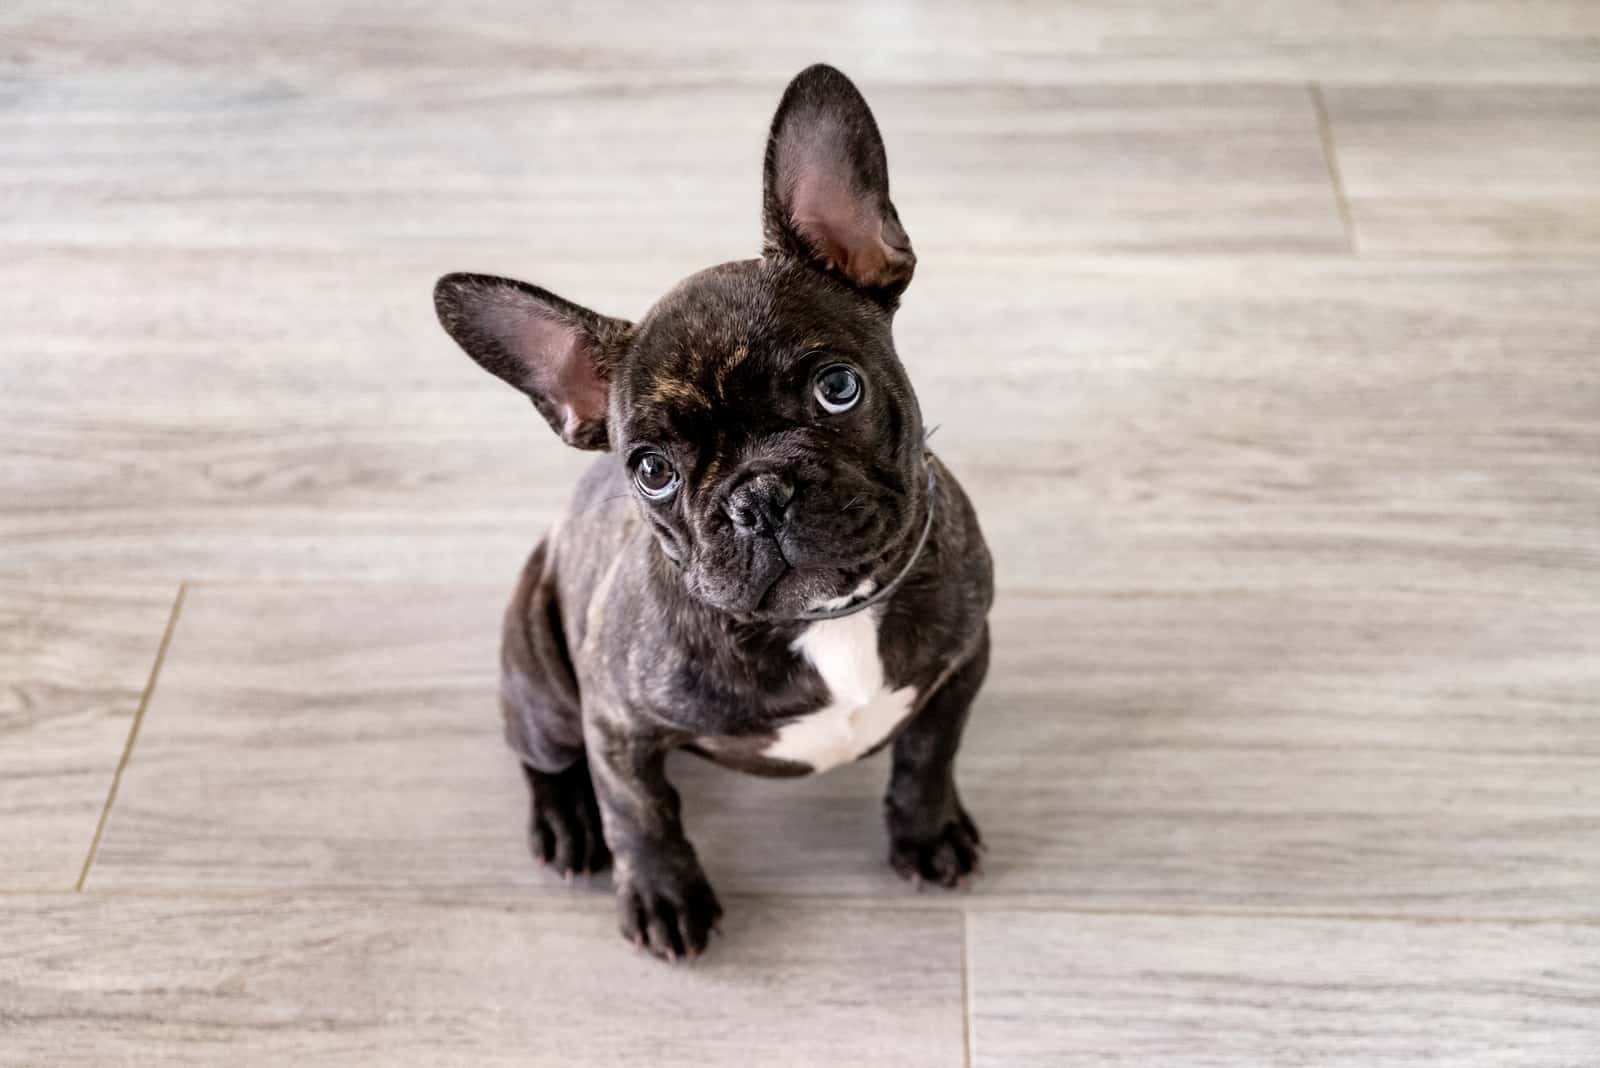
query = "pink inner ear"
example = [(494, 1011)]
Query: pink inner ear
[(578, 384), (558, 362), (845, 225)]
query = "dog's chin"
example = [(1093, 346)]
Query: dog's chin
[(803, 572), (801, 591), (782, 592)]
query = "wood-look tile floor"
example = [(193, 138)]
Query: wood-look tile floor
[(1266, 337)]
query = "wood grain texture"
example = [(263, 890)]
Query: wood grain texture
[(1054, 989), (1345, 752), (73, 665), (1328, 753), (985, 167), (341, 980), (617, 43), (324, 737), (1127, 423), (1300, 582), (1462, 171)]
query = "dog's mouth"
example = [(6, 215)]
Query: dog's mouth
[(783, 592), (796, 591), (818, 585), (815, 568), (816, 593)]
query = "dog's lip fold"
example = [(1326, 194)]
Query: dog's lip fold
[(856, 569), (783, 582), (772, 584)]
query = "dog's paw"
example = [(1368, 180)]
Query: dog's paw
[(671, 913), (948, 858), (564, 823)]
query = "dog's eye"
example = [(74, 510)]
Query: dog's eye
[(838, 388), (656, 476)]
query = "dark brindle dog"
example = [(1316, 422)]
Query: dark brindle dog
[(768, 568)]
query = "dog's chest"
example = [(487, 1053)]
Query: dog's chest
[(861, 710)]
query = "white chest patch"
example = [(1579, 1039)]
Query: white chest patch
[(861, 710)]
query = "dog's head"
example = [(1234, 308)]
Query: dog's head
[(767, 427)]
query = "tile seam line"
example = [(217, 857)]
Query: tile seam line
[(133, 735), (598, 901), (966, 989), (1330, 158)]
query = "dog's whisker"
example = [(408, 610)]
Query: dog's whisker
[(595, 505)]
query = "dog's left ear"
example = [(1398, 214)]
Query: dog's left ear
[(558, 353), (826, 196)]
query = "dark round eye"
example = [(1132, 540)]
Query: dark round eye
[(838, 388), (655, 475)]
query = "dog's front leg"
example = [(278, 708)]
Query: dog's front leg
[(664, 903), (931, 837)]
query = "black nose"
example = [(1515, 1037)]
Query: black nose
[(759, 502)]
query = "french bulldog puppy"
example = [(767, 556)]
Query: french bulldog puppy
[(767, 567)]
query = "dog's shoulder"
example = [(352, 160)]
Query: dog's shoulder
[(962, 552)]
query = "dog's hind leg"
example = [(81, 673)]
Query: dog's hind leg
[(544, 725)]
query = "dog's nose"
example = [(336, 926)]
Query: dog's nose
[(760, 502)]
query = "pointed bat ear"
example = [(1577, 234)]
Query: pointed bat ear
[(826, 197), (559, 354)]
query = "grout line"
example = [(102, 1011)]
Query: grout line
[(133, 735), (1330, 156), (1043, 904), (966, 992), (598, 898)]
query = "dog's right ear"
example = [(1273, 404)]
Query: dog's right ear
[(557, 353), (826, 192)]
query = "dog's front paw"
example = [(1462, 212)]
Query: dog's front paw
[(564, 822), (668, 909), (947, 858)]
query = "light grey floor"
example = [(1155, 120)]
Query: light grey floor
[(1266, 337)]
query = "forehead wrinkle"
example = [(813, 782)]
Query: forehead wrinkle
[(757, 446), (708, 471), (666, 391)]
